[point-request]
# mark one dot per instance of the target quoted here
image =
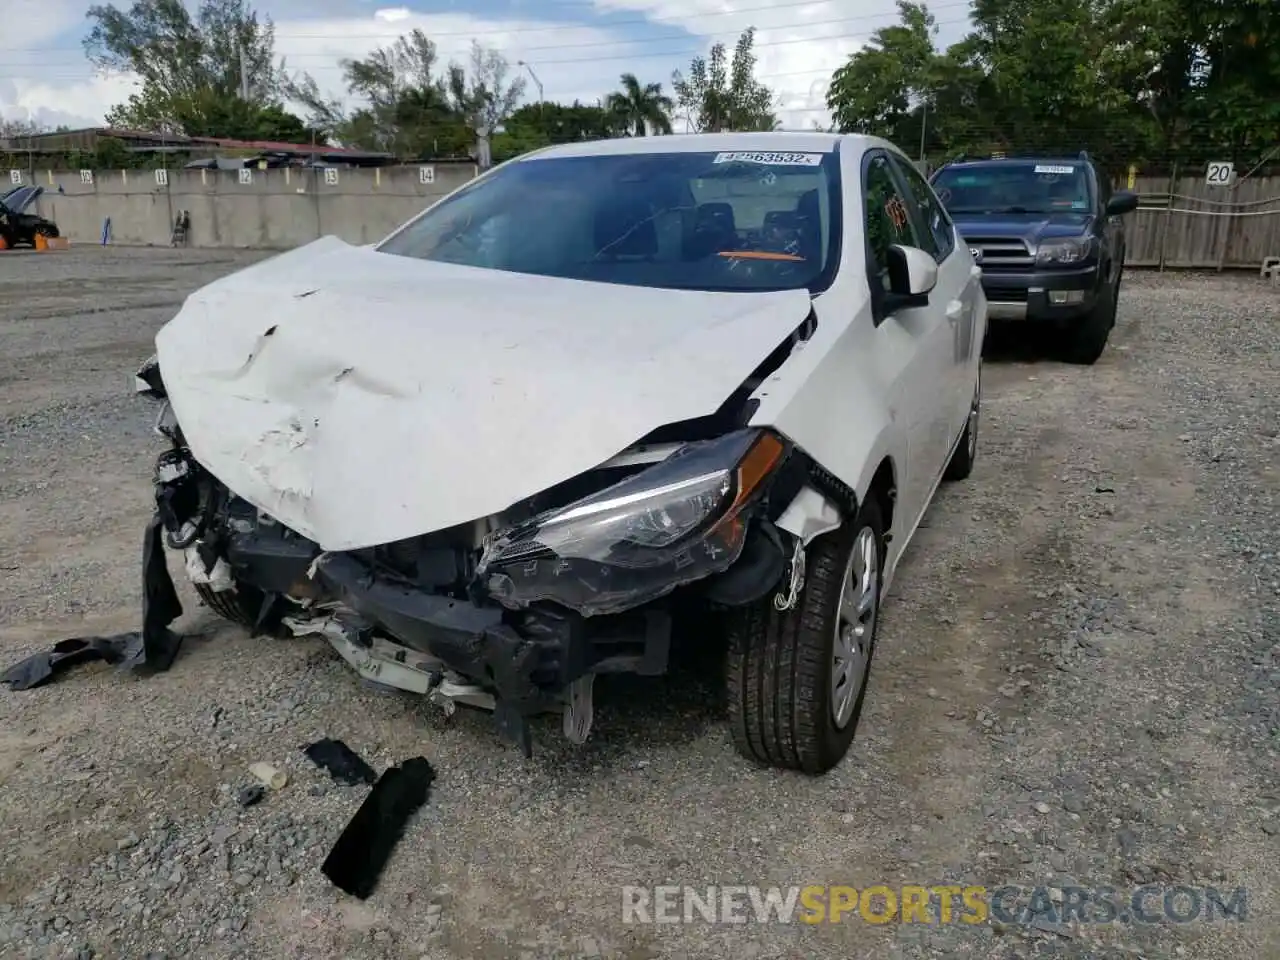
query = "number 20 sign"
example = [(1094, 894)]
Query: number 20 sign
[(1219, 173)]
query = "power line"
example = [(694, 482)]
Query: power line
[(392, 34), (620, 58)]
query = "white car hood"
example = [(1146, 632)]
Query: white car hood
[(361, 398)]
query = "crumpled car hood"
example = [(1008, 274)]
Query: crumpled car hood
[(361, 398)]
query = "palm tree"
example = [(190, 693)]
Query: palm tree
[(640, 109)]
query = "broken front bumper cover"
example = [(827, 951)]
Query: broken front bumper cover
[(523, 623)]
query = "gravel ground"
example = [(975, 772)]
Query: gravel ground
[(1076, 684)]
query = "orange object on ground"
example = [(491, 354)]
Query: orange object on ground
[(3, 244), (41, 242)]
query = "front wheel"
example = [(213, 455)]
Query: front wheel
[(241, 604), (797, 678), (1085, 341)]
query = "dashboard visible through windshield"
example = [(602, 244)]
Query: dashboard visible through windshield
[(694, 221)]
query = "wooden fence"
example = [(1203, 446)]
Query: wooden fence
[(1182, 222)]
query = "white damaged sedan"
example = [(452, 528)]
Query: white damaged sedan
[(577, 404)]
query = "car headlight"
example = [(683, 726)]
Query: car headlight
[(1064, 251), (675, 522)]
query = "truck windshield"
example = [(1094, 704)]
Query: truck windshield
[(1032, 187), (691, 221)]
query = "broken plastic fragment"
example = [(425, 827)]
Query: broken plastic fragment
[(341, 761), (40, 668), (248, 796), (269, 775), (152, 649), (218, 579), (356, 861)]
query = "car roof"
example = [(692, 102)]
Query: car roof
[(772, 141)]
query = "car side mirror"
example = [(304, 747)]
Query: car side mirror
[(912, 276), (1122, 202)]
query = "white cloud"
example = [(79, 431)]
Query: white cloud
[(59, 86), (798, 45)]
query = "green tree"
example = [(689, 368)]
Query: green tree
[(722, 94), (189, 64), (879, 90), (537, 125), (408, 106), (640, 109), (1129, 80)]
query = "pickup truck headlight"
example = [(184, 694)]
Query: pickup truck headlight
[(675, 522), (1064, 251)]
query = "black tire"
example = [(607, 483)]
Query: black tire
[(780, 664), (241, 604), (966, 453), (48, 229), (1087, 339)]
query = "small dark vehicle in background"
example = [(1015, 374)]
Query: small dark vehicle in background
[(1049, 236), (19, 227)]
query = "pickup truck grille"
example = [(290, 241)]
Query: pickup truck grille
[(1003, 254), (1005, 294)]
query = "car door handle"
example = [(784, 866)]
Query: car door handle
[(955, 310)]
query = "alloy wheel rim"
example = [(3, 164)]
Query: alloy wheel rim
[(855, 626)]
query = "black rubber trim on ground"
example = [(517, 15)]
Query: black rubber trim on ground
[(356, 861)]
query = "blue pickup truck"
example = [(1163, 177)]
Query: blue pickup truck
[(1049, 236)]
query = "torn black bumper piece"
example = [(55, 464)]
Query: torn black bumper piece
[(160, 604), (151, 649), (528, 664), (341, 761), (356, 861), (40, 668)]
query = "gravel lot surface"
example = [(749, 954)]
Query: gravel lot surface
[(1076, 684)]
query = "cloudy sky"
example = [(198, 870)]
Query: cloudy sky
[(577, 48)]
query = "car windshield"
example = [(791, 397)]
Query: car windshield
[(1032, 187), (690, 221)]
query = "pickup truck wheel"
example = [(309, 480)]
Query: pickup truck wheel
[(1087, 339), (966, 452), (797, 678)]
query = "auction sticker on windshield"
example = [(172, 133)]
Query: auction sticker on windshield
[(1048, 168), (776, 159)]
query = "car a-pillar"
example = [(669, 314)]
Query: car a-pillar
[(799, 660)]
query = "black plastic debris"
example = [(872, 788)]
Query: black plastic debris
[(341, 761), (356, 861), (152, 649), (40, 668), (160, 604), (248, 796)]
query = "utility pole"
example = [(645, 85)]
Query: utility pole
[(536, 81), (924, 120), (244, 73)]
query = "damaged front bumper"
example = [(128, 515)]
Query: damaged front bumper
[(520, 620)]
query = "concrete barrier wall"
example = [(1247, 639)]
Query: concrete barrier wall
[(275, 209)]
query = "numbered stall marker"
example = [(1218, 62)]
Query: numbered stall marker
[(86, 176), (331, 176), (15, 176), (426, 174), (246, 175), (162, 178), (1219, 173)]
